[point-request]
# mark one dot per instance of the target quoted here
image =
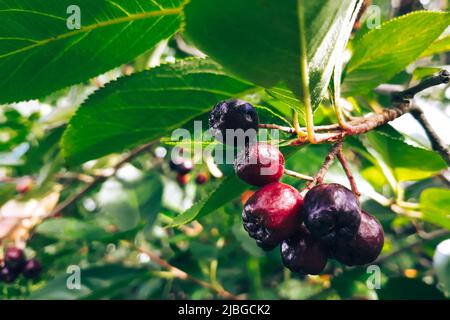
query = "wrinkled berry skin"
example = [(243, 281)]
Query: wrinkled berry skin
[(365, 247), (7, 275), (32, 269), (14, 259), (303, 253), (272, 214), (232, 114), (332, 213), (259, 164)]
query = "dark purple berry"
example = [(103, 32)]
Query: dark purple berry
[(365, 247), (332, 213), (233, 115), (7, 275), (303, 253), (32, 269), (201, 178), (259, 164), (14, 259), (272, 214)]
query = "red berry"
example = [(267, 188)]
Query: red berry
[(14, 259), (272, 214), (259, 164), (303, 253), (32, 269), (24, 185), (201, 178), (183, 179), (365, 247)]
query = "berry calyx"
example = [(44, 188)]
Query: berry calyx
[(272, 214), (7, 275), (232, 115), (201, 178), (303, 253), (332, 213), (365, 247), (14, 259), (32, 269), (259, 164)]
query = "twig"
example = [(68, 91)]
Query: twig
[(298, 175), (348, 172), (318, 178), (442, 77), (291, 130), (436, 142), (99, 179), (182, 275), (430, 236)]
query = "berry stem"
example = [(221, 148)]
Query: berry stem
[(298, 175), (348, 173)]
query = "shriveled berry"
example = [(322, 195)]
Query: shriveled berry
[(32, 269), (14, 259), (7, 275), (303, 253), (183, 179), (365, 247), (201, 178), (232, 115), (259, 164), (272, 214), (332, 213)]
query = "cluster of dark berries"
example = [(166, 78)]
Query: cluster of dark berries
[(183, 168), (327, 223), (15, 263)]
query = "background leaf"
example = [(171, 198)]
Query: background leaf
[(435, 205), (39, 54), (146, 106), (384, 52), (264, 46)]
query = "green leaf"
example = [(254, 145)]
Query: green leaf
[(408, 289), (146, 106), (435, 206), (228, 190), (96, 283), (439, 46), (260, 40), (407, 162), (70, 229), (384, 52), (40, 54)]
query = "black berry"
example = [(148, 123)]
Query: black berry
[(259, 164), (272, 214), (332, 213), (14, 259), (233, 115), (365, 247), (32, 269), (303, 253), (7, 275)]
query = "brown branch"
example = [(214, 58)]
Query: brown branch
[(318, 178), (348, 172), (99, 179), (182, 275), (436, 142)]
